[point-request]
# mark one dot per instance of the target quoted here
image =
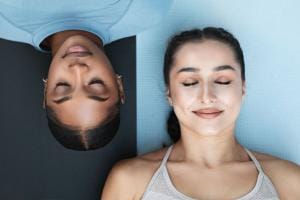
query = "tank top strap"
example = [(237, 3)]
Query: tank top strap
[(157, 173), (257, 165), (166, 156)]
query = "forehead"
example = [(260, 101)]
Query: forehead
[(84, 112), (205, 54)]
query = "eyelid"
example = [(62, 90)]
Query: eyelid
[(189, 84), (63, 84), (223, 82), (62, 87), (97, 86), (96, 81)]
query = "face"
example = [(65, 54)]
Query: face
[(206, 88), (82, 87)]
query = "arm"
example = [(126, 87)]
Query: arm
[(119, 184), (285, 176), (128, 179), (288, 180)]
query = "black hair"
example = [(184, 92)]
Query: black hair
[(83, 140), (196, 35)]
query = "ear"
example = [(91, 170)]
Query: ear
[(120, 88), (243, 90), (44, 93), (168, 95)]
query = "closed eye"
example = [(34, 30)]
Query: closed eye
[(96, 81), (62, 87), (63, 84), (223, 82), (189, 84)]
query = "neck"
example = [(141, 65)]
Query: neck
[(57, 39), (210, 151)]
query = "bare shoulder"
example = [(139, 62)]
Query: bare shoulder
[(285, 175), (129, 178), (274, 164)]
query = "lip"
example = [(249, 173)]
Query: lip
[(77, 51), (208, 113)]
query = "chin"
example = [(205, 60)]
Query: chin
[(207, 132)]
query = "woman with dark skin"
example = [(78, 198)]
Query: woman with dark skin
[(205, 79), (82, 92), (81, 82)]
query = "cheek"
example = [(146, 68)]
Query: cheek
[(56, 60), (183, 98), (231, 98), (102, 69), (56, 67)]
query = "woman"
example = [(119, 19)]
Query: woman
[(205, 79), (82, 91)]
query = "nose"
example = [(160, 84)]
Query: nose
[(78, 69), (207, 94), (78, 63)]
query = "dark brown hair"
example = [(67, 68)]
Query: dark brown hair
[(83, 140)]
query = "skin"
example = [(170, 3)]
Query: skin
[(207, 149), (85, 79)]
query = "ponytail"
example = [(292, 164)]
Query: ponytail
[(173, 127)]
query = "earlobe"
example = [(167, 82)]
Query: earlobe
[(169, 97), (121, 89)]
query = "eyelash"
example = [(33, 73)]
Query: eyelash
[(68, 85), (223, 83), (63, 84), (217, 82), (97, 81), (189, 84)]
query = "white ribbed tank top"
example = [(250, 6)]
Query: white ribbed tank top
[(162, 188)]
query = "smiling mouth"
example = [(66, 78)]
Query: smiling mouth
[(77, 51), (210, 113)]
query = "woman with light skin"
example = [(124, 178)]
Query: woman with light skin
[(205, 80)]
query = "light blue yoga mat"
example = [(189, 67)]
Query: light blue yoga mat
[(269, 33)]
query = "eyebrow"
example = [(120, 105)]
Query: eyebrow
[(224, 67), (93, 97), (218, 68), (188, 69)]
